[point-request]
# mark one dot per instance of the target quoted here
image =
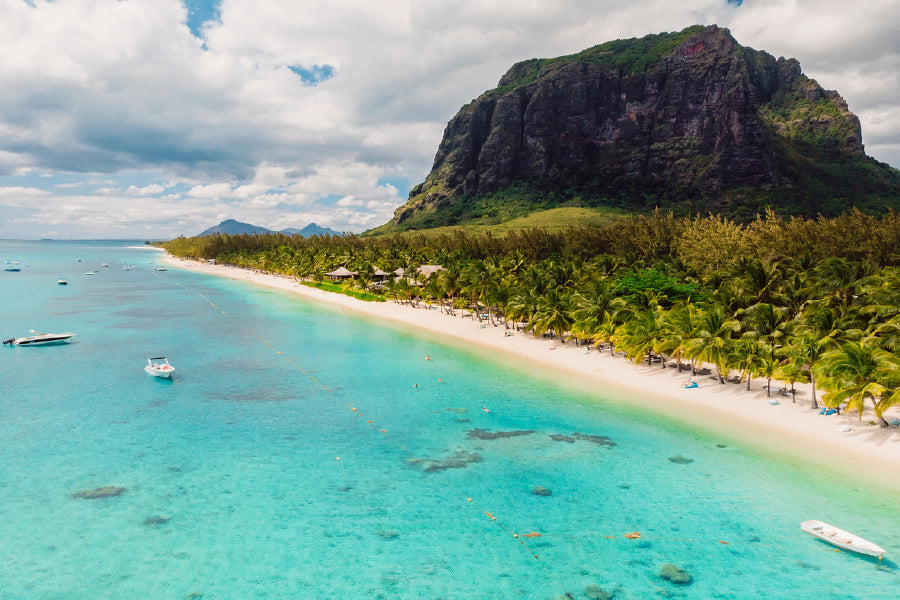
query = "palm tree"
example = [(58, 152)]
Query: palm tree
[(481, 277), (513, 264), (640, 335), (820, 328), (523, 306), (838, 281), (791, 369), (766, 366), (450, 284), (768, 323), (749, 357), (889, 398), (713, 341), (432, 290), (593, 303), (606, 331), (553, 310), (859, 371), (760, 280), (679, 326)]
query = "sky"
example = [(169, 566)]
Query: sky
[(149, 119)]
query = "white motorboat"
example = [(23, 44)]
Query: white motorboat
[(159, 367), (40, 339), (161, 269), (62, 281), (841, 539)]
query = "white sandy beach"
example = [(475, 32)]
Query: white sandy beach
[(793, 429)]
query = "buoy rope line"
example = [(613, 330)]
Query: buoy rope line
[(516, 536), (519, 537), (201, 294)]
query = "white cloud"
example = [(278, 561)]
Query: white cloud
[(115, 94), (212, 191), (147, 190)]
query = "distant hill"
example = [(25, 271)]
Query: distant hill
[(691, 122), (232, 227), (310, 230)]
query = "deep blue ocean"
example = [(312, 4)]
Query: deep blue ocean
[(304, 452)]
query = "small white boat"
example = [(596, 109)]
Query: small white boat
[(40, 339), (161, 269), (62, 281), (88, 272), (841, 539), (104, 264), (159, 367)]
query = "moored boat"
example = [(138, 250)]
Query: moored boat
[(841, 539), (40, 339), (62, 281), (159, 367)]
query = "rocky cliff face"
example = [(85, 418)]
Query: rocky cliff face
[(686, 119)]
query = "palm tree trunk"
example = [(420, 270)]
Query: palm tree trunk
[(768, 387), (881, 421), (812, 379)]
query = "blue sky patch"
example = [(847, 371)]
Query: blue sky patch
[(199, 12), (314, 75)]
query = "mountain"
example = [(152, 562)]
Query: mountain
[(689, 121), (310, 230), (232, 227)]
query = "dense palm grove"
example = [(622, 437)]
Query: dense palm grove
[(811, 301)]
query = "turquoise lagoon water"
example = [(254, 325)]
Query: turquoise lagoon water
[(301, 452)]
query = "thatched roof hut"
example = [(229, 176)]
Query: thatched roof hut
[(427, 270), (341, 273)]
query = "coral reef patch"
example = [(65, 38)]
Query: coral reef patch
[(106, 491), (600, 440), (486, 434), (676, 575), (458, 460)]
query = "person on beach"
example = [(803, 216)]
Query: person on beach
[(690, 383)]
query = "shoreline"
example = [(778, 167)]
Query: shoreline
[(865, 450)]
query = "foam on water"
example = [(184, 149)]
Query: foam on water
[(301, 452)]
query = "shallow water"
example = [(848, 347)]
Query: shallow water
[(301, 452)]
